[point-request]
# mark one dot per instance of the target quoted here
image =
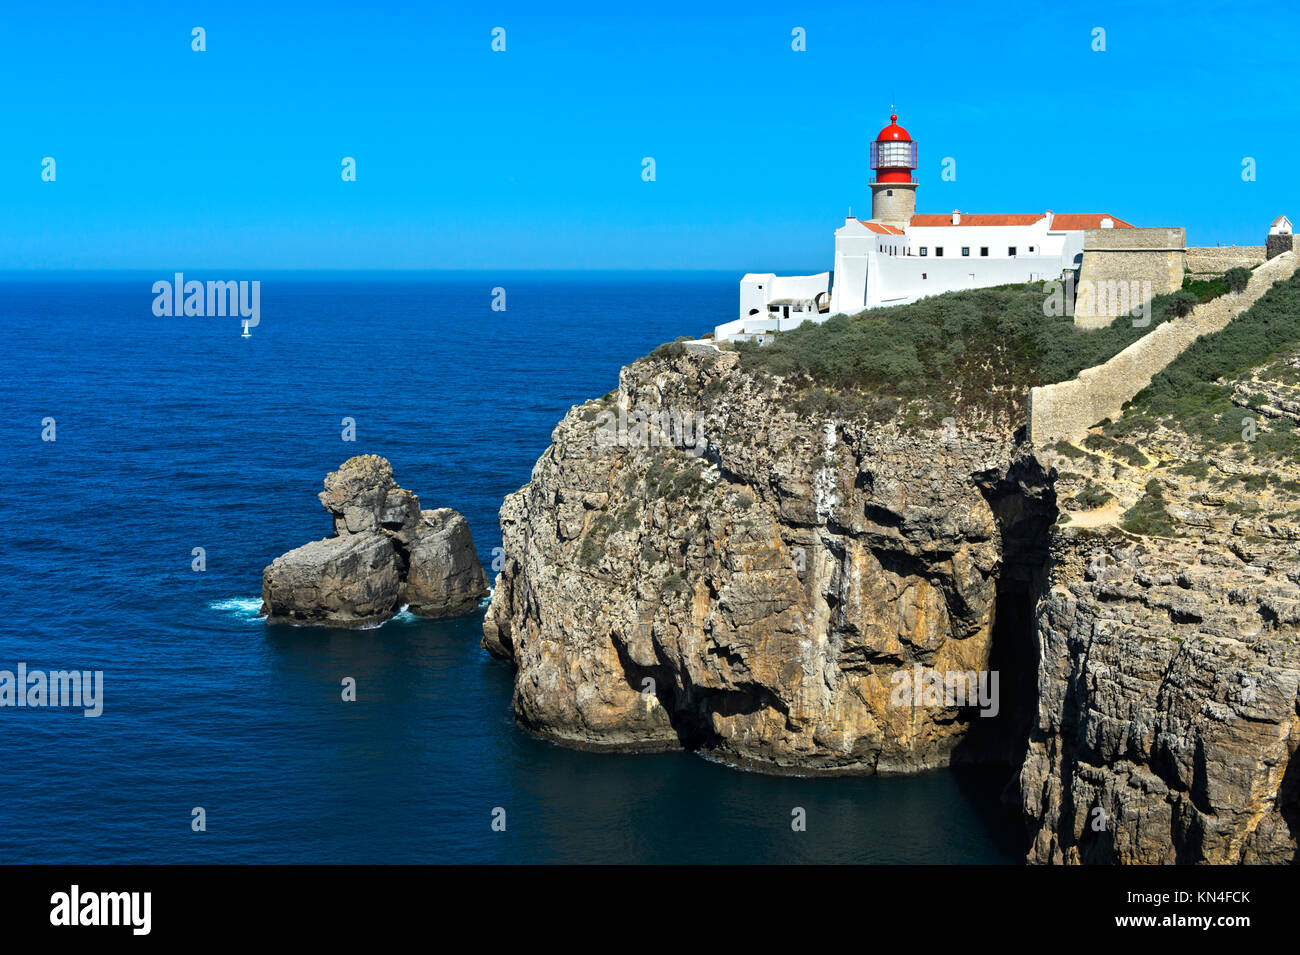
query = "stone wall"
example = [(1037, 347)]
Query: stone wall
[(1124, 268), (1217, 259), (1069, 408), (1277, 244)]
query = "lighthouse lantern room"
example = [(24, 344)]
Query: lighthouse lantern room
[(893, 187)]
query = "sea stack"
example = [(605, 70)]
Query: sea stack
[(385, 553)]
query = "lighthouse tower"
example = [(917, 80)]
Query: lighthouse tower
[(893, 187)]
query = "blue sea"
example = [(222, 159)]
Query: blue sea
[(175, 433)]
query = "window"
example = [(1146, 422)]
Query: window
[(922, 275), (984, 250), (1011, 251), (924, 251), (1031, 248), (938, 252), (889, 192), (965, 250)]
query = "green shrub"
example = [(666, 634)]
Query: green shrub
[(1093, 496), (1205, 289), (1237, 279), (1188, 389), (1182, 303), (977, 348), (1116, 449), (1131, 454), (1197, 469), (1148, 516)]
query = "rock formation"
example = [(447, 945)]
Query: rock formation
[(762, 600), (1167, 717), (1169, 656), (385, 553), (699, 561), (445, 578)]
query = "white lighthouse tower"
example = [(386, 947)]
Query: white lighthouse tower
[(893, 187)]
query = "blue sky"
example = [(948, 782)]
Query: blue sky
[(531, 158)]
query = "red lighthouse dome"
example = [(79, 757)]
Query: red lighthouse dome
[(893, 154), (893, 131)]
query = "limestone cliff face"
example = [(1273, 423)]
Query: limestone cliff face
[(1169, 660), (699, 561), (756, 592), (1167, 719)]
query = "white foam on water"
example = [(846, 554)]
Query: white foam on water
[(248, 610), (242, 608)]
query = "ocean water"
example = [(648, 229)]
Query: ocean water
[(177, 433)]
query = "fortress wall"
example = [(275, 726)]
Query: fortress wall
[(1069, 408), (1277, 244), (1148, 262), (1217, 259)]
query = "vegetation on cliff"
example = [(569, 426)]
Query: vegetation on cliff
[(1195, 393), (1233, 280), (971, 350)]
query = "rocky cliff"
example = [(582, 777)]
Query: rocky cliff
[(707, 559), (1167, 717), (1169, 646), (385, 553), (697, 563)]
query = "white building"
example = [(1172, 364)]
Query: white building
[(776, 302), (1281, 226), (898, 256)]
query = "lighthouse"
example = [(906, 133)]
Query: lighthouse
[(893, 187), (899, 256)]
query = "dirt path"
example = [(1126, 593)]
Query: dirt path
[(1108, 513)]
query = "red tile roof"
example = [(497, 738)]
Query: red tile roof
[(881, 229), (1061, 221), (977, 219), (1085, 220)]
